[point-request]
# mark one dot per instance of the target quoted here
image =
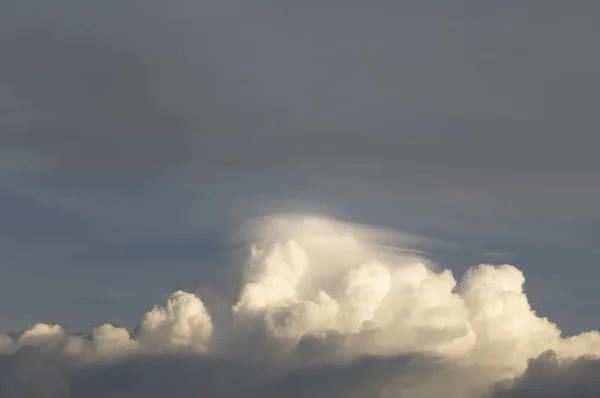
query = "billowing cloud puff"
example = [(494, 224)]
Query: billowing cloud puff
[(106, 343), (110, 341), (44, 336), (506, 328), (182, 324), (324, 276), (322, 295)]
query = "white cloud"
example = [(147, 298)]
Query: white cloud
[(182, 324), (44, 336), (350, 291), (106, 343), (324, 276)]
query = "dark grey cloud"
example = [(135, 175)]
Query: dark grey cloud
[(29, 373), (548, 377)]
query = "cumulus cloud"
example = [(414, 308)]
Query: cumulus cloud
[(106, 343), (183, 323), (323, 276), (326, 308), (42, 335)]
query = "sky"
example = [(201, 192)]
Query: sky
[(143, 143)]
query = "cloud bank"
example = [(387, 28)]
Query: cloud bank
[(326, 308)]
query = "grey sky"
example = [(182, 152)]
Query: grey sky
[(490, 106)]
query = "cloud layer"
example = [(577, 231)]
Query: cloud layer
[(326, 308), (373, 98)]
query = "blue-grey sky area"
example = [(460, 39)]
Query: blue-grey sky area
[(136, 136)]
